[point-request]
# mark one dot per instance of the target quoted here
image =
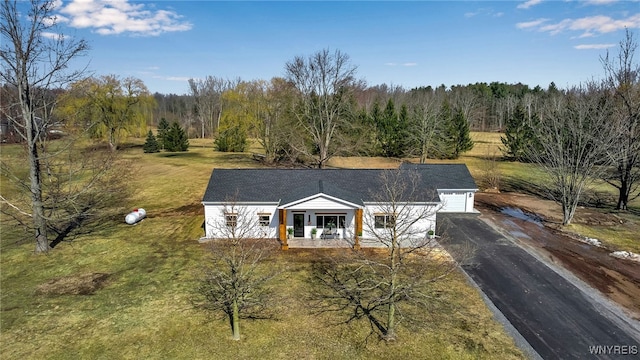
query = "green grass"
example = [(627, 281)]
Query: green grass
[(145, 308)]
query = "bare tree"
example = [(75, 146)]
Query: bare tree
[(425, 130), (237, 280), (324, 83), (623, 80), (208, 102), (272, 120), (206, 94), (490, 171), (466, 101), (571, 145), (35, 58), (383, 284)]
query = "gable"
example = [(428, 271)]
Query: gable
[(320, 202)]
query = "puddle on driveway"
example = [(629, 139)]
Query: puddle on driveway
[(519, 214)]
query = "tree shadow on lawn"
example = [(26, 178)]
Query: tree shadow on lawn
[(517, 185), (590, 198), (181, 154)]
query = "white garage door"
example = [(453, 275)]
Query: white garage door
[(453, 201)]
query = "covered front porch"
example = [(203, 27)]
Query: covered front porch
[(320, 227)]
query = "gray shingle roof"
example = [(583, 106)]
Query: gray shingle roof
[(353, 185), (445, 176)]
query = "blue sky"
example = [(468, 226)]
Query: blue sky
[(410, 44)]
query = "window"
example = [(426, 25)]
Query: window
[(384, 221), (264, 220), (330, 221), (231, 219)]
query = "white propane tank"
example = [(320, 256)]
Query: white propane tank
[(135, 216)]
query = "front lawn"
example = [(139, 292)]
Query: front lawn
[(140, 304)]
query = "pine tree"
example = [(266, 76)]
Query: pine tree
[(151, 145), (376, 117), (163, 127), (393, 129), (518, 136), (176, 139), (403, 144), (444, 139), (233, 139), (460, 134), (388, 129)]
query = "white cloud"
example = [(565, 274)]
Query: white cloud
[(594, 46), (600, 2), (403, 64), (178, 78), (531, 24), (108, 17), (528, 4), (588, 26), (50, 35), (483, 12)]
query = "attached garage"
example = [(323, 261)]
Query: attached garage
[(455, 185), (456, 201)]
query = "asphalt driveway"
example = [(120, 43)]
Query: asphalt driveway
[(557, 318)]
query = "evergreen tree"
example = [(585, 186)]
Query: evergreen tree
[(393, 129), (375, 116), (518, 136), (403, 136), (461, 139), (176, 139), (163, 127), (233, 139), (388, 126), (444, 139), (151, 145)]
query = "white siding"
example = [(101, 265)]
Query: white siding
[(214, 218), (470, 201), (420, 228)]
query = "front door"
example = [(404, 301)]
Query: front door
[(298, 225)]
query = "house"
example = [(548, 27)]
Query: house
[(332, 201)]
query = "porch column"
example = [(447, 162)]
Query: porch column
[(282, 228), (356, 245)]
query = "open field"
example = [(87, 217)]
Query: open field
[(128, 289)]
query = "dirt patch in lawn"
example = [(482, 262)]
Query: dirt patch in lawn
[(535, 222), (548, 211), (84, 284)]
